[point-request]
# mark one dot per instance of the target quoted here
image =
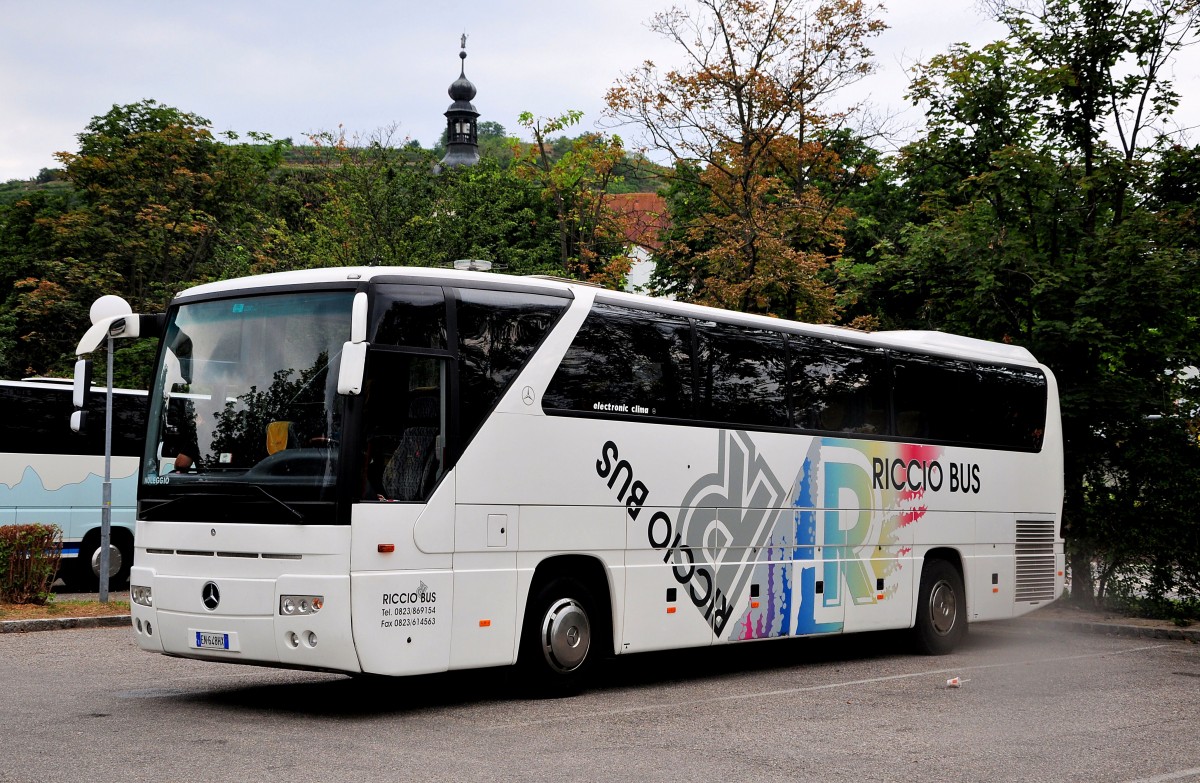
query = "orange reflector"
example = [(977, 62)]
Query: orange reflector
[(670, 610), (995, 589), (879, 597), (754, 604), (485, 623), (385, 548), (1060, 573)]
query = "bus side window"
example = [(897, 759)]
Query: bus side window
[(498, 332), (838, 388), (627, 361), (742, 375), (405, 426)]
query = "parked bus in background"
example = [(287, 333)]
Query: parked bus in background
[(402, 471), (51, 475)]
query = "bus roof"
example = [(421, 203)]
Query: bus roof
[(917, 341)]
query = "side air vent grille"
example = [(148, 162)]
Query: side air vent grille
[(250, 555), (1035, 561)]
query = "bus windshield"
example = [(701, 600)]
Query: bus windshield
[(245, 399)]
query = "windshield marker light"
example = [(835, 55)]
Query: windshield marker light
[(140, 595), (300, 604)]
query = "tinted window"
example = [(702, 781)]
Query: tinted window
[(410, 315), (742, 374), (838, 388), (498, 332), (37, 421), (1011, 411), (937, 399), (632, 363), (965, 402), (626, 362)]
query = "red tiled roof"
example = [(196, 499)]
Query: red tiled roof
[(643, 216)]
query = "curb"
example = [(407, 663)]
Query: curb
[(1118, 629), (63, 623)]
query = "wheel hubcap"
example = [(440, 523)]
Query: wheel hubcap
[(943, 608), (566, 635), (114, 561)]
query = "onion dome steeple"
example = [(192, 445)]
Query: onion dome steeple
[(462, 119)]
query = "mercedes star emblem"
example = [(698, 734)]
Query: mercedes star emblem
[(527, 395), (211, 595)]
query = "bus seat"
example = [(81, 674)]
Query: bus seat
[(414, 464)]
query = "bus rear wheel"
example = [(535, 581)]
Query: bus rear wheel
[(558, 643), (85, 575), (941, 609)]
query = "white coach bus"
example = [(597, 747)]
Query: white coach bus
[(50, 475), (402, 471)]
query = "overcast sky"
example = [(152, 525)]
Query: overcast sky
[(298, 67)]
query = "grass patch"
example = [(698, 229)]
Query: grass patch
[(1181, 612), (68, 608)]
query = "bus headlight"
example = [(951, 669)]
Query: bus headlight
[(300, 604), (141, 595)]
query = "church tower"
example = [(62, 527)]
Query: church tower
[(462, 119)]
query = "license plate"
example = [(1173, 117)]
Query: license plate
[(212, 640)]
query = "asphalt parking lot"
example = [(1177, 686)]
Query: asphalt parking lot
[(1032, 705)]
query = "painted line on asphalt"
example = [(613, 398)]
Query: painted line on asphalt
[(831, 685), (1180, 775)]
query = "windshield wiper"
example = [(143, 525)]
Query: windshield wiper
[(155, 509), (281, 503), (225, 491)]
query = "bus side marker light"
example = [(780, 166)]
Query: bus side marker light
[(879, 597), (485, 623), (386, 548), (754, 604), (670, 610), (995, 589)]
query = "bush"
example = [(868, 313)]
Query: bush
[(28, 562)]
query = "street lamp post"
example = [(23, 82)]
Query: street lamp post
[(107, 307)]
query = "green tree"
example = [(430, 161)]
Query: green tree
[(744, 114), (575, 176), (375, 204), (1034, 228), (159, 204)]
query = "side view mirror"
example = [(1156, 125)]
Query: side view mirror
[(354, 365), (354, 351), (79, 394), (83, 383)]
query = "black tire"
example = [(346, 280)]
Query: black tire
[(560, 640), (941, 609), (85, 575)]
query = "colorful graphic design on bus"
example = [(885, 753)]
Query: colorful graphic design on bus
[(843, 512), (728, 515), (735, 545)]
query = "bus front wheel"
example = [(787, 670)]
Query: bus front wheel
[(941, 609), (558, 640)]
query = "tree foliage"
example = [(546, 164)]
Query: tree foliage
[(1043, 204), (152, 202), (575, 181), (742, 118), (1042, 223)]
